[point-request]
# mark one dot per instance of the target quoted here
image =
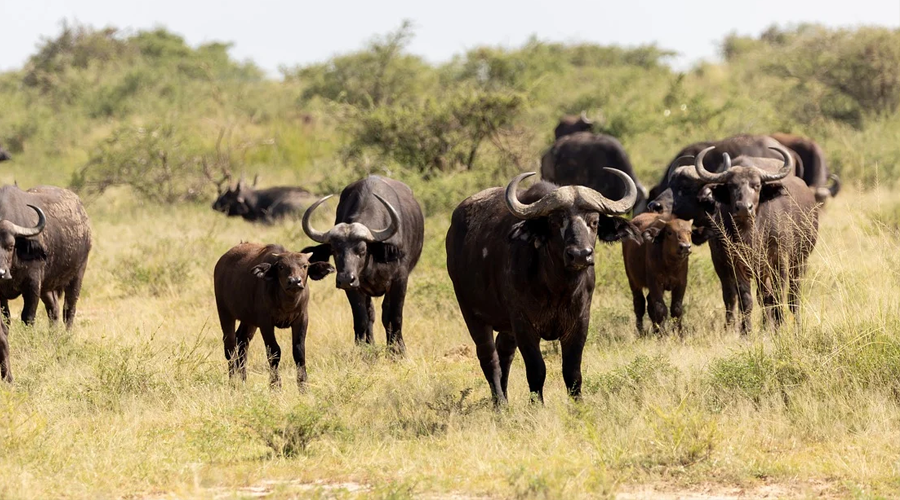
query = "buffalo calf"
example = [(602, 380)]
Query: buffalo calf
[(264, 286), (658, 263)]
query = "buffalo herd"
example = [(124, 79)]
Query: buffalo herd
[(520, 261)]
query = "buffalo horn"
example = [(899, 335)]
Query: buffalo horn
[(317, 236), (25, 232)]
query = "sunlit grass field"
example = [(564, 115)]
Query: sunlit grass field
[(135, 402)]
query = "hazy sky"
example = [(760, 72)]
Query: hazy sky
[(272, 33)]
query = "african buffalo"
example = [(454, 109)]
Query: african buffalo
[(52, 263), (758, 146), (372, 262), (767, 225), (570, 124), (522, 265), (4, 154), (261, 205), (659, 263), (14, 242), (265, 287), (581, 158), (815, 170)]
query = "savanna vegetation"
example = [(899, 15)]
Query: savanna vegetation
[(134, 402)]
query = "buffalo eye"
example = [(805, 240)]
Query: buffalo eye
[(361, 249)]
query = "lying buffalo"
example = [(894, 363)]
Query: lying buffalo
[(815, 169), (581, 158), (265, 287), (50, 264), (261, 205), (767, 225), (659, 264), (570, 124), (522, 265), (372, 262)]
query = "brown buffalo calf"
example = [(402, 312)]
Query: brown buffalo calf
[(658, 263), (264, 286)]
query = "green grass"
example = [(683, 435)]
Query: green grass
[(135, 402)]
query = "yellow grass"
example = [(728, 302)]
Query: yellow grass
[(134, 402)]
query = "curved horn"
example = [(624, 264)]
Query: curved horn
[(585, 119), (604, 205), (726, 159), (674, 165), (785, 169), (25, 232), (383, 234), (706, 175), (835, 185), (519, 209), (317, 236)]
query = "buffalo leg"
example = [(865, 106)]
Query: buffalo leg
[(4, 307), (273, 354), (483, 336), (392, 317), (677, 307), (30, 297), (529, 344), (298, 345), (243, 335), (572, 350), (49, 298), (640, 307), (657, 308), (506, 351), (794, 291), (73, 292), (230, 342), (725, 271), (363, 316), (745, 302), (5, 372)]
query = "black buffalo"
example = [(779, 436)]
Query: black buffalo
[(570, 124), (265, 287), (261, 205), (815, 169), (373, 262), (582, 158), (522, 265), (766, 226), (757, 146), (51, 264)]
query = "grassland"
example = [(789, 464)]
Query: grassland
[(134, 402)]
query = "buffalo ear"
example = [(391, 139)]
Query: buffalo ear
[(261, 271), (319, 270), (613, 229), (650, 233), (29, 249), (719, 192), (770, 190), (320, 253), (535, 230), (384, 252)]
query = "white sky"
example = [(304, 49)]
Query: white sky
[(273, 32)]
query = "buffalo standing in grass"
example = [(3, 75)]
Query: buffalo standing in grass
[(586, 159), (13, 237), (261, 205), (373, 262), (658, 263), (757, 146), (522, 265), (265, 287), (815, 169), (766, 225), (51, 264)]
